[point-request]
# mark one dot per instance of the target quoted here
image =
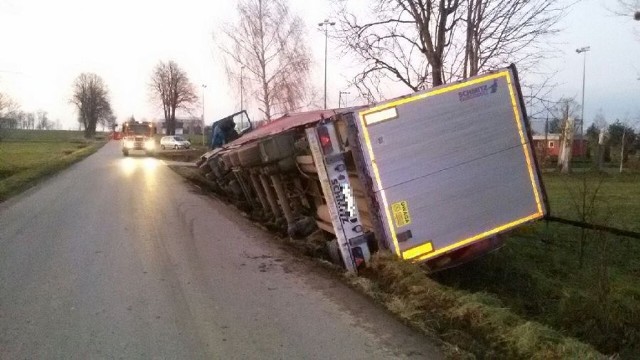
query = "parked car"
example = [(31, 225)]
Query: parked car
[(174, 142)]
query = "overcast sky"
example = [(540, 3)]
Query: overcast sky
[(45, 44)]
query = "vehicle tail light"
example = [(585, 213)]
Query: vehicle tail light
[(325, 140)]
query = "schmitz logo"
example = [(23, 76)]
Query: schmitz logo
[(478, 91)]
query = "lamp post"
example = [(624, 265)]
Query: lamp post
[(325, 26), (241, 87), (241, 96), (583, 50), (204, 86)]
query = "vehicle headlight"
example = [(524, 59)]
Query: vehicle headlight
[(149, 144), (128, 144)]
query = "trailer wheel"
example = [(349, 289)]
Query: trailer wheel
[(334, 252)]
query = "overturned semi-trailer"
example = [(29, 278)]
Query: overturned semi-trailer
[(436, 176)]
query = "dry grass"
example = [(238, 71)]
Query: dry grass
[(477, 323)]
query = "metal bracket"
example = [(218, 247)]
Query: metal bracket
[(404, 236)]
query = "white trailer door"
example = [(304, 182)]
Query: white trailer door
[(452, 165)]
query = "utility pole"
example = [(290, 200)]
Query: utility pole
[(325, 25), (241, 96), (241, 88), (340, 98), (546, 140), (204, 86), (583, 50), (624, 132)]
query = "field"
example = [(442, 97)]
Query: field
[(616, 197), (27, 156), (541, 275)]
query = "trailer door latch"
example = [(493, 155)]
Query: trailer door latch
[(404, 236)]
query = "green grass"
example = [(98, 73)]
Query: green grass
[(617, 197), (538, 274), (41, 135), (27, 157)]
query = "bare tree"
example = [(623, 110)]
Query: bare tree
[(108, 122), (268, 41), (567, 110), (422, 43), (43, 121), (91, 98), (170, 86), (9, 112), (628, 8), (30, 120), (500, 32), (406, 41), (3, 100)]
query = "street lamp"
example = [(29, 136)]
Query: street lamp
[(340, 97), (325, 26), (204, 86), (583, 50), (241, 88)]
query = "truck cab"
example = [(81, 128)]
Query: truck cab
[(138, 136)]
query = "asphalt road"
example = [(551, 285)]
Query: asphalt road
[(120, 258)]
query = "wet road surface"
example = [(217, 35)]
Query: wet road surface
[(121, 258)]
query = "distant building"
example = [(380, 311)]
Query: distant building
[(549, 145), (184, 126)]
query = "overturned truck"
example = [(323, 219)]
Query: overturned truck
[(435, 177)]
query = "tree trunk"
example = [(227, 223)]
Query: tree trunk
[(567, 146)]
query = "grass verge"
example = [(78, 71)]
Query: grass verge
[(476, 324), (24, 162)]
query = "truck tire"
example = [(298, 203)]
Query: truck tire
[(334, 252), (125, 152), (162, 147)]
